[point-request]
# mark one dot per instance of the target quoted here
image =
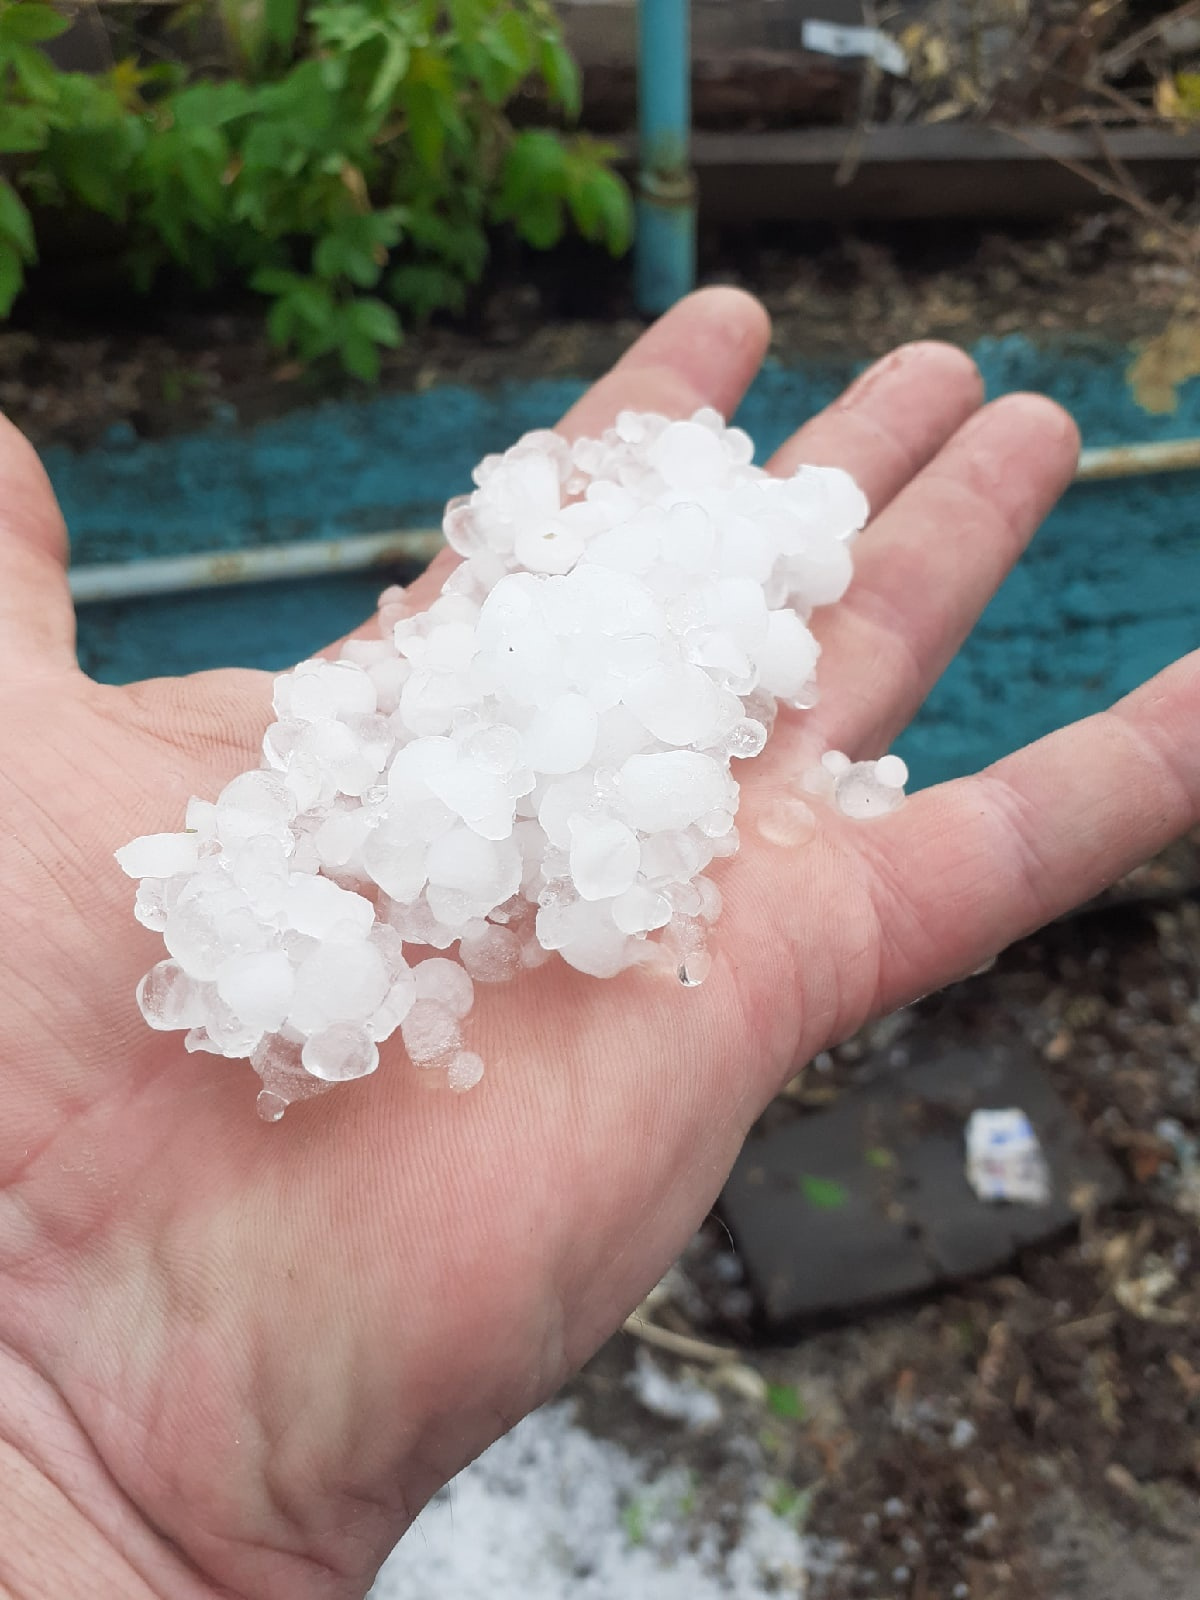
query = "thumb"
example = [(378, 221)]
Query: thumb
[(37, 619)]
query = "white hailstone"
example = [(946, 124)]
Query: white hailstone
[(252, 806), (318, 690), (561, 736), (677, 702), (605, 856), (338, 982), (169, 998), (659, 793), (445, 983), (159, 855), (340, 1052), (317, 906), (540, 762), (395, 1006), (871, 788), (258, 987), (789, 656), (641, 909), (464, 1071), (200, 818), (492, 955), (431, 1033), (150, 905)]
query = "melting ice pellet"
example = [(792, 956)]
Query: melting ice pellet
[(541, 763)]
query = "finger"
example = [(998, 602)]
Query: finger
[(927, 567), (37, 620), (964, 869), (703, 352), (891, 422)]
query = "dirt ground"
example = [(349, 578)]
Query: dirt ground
[(164, 365), (1035, 1436)]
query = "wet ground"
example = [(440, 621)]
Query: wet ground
[(1035, 1433), (165, 365)]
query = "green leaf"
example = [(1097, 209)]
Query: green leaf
[(23, 129), (274, 280), (212, 105), (16, 225), (30, 24), (514, 37), (784, 1400), (560, 72), (535, 169), (12, 277), (540, 222), (879, 1158), (282, 21), (600, 204), (375, 321), (390, 74), (36, 73), (425, 127), (336, 256), (421, 289), (359, 356), (634, 1517), (823, 1193), (789, 1503)]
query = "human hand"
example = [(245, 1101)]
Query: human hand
[(236, 1359)]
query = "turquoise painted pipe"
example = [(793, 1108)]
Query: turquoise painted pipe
[(665, 248)]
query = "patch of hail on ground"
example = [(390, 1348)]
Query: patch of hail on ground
[(551, 1512), (540, 763)]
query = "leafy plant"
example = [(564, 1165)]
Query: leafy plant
[(824, 1194), (785, 1401), (789, 1503), (350, 172)]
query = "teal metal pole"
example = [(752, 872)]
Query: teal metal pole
[(665, 259)]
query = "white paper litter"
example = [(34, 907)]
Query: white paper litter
[(1005, 1160)]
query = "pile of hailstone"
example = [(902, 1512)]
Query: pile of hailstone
[(538, 763)]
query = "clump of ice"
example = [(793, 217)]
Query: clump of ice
[(858, 788), (541, 762), (552, 1513)]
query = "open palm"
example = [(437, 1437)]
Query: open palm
[(235, 1359)]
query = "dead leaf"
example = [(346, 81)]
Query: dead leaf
[(1168, 361), (1166, 99)]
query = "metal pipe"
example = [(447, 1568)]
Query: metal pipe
[(665, 250), (1137, 460), (312, 558), (127, 580)]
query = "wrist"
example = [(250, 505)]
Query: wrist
[(68, 1529)]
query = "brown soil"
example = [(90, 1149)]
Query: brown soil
[(1032, 1436), (157, 368)]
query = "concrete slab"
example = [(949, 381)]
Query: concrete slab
[(867, 1200)]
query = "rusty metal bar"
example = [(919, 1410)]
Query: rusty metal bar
[(312, 558), (1138, 460)]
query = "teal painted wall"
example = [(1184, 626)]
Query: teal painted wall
[(1109, 592)]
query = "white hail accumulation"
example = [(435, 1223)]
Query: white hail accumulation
[(540, 762)]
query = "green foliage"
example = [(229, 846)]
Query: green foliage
[(349, 172), (824, 1194), (789, 1503), (634, 1517), (785, 1401)]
